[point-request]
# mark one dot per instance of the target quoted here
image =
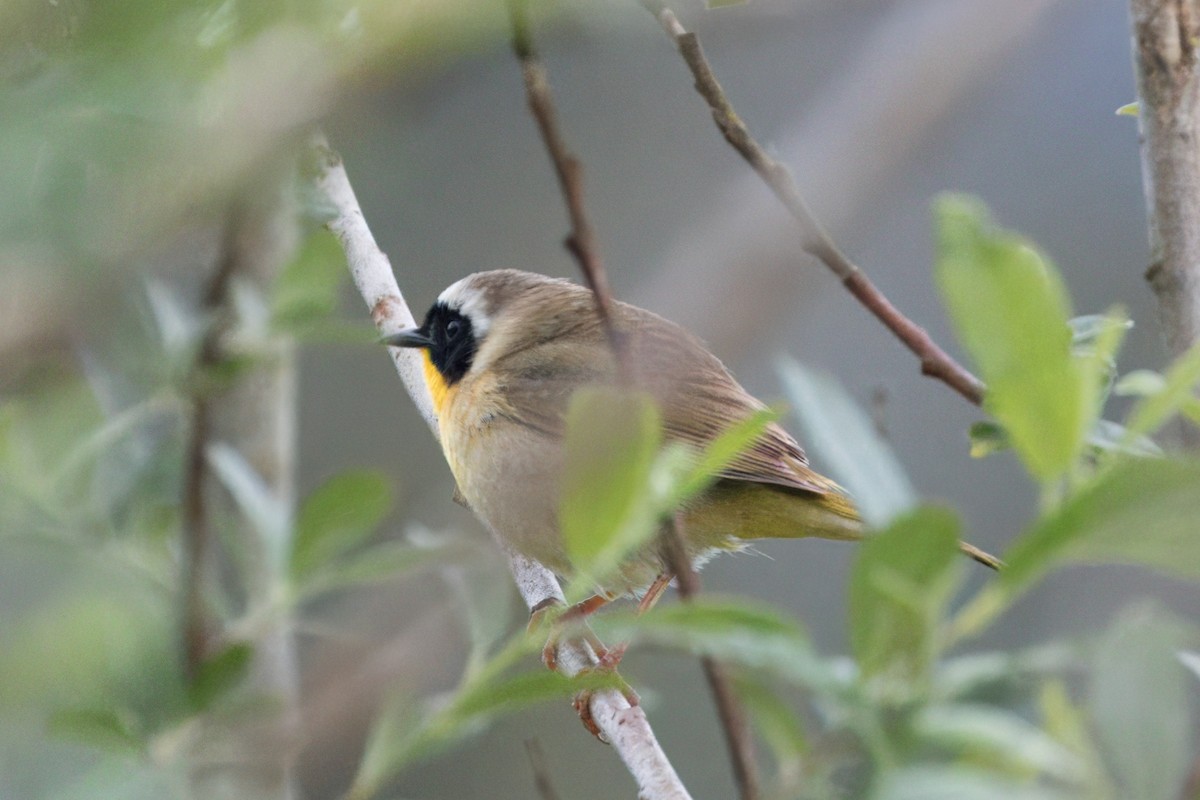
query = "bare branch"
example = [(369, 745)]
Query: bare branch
[(1165, 33), (738, 737), (935, 362), (626, 727), (581, 241)]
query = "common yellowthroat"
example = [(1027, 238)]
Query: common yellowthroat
[(503, 353)]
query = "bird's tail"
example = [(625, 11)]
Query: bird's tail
[(828, 516)]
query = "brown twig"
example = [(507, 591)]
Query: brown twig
[(198, 627), (935, 362), (581, 241), (729, 709), (541, 772)]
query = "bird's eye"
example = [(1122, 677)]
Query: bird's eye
[(453, 328)]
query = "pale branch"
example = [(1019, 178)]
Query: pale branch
[(1165, 56), (738, 737), (935, 362), (581, 241), (625, 727)]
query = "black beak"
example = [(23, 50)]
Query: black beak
[(409, 337)]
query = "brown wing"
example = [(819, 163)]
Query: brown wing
[(698, 396)]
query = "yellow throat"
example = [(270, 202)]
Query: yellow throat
[(439, 390)]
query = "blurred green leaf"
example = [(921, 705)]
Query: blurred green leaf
[(338, 516), (1142, 511), (999, 738), (219, 675), (721, 453), (308, 289), (106, 729), (1140, 383), (730, 630), (777, 723), (1111, 437), (987, 438), (975, 674), (1178, 392), (957, 783), (389, 745), (1010, 309), (1129, 109), (380, 562), (1141, 701), (901, 581), (1088, 329), (837, 430), (605, 510), (268, 515), (1095, 341), (401, 736), (1070, 725)]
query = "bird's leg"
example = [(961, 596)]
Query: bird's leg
[(611, 657), (576, 612)]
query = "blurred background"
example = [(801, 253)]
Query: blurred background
[(130, 130)]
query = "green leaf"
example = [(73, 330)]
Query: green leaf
[(1178, 392), (957, 783), (999, 738), (721, 453), (1142, 511), (269, 516), (1129, 109), (1010, 309), (850, 449), (1111, 437), (341, 514), (219, 675), (103, 728), (900, 584), (779, 725), (1088, 329), (1140, 383), (382, 562), (308, 289), (987, 438), (1141, 703), (732, 631), (984, 674), (402, 736), (1070, 725), (612, 440)]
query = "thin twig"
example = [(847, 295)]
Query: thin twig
[(541, 772), (729, 709), (935, 362), (581, 241), (198, 626), (625, 726)]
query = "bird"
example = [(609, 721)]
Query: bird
[(503, 353)]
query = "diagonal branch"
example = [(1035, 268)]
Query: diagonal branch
[(581, 241), (935, 362), (625, 726)]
